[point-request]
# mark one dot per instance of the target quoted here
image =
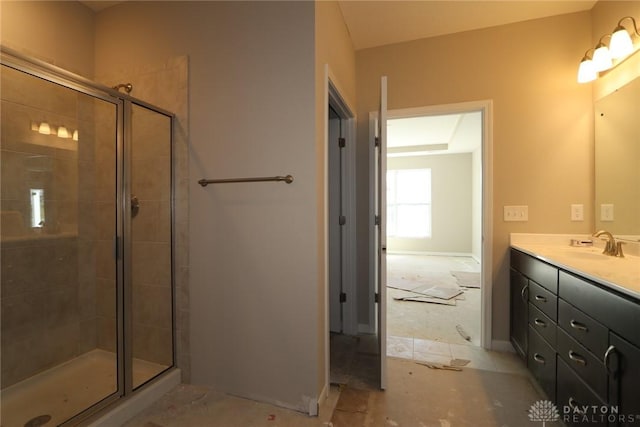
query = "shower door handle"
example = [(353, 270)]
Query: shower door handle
[(135, 206)]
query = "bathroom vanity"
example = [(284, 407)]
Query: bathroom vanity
[(575, 320)]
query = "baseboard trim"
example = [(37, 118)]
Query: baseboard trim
[(427, 253), (364, 328), (501, 345)]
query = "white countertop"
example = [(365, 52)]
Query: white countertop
[(621, 274)]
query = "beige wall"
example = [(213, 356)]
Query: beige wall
[(451, 204), (542, 124), (58, 32), (254, 248)]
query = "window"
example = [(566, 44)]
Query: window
[(409, 203), (37, 207)]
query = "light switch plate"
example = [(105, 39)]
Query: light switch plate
[(516, 213), (577, 212), (606, 212)]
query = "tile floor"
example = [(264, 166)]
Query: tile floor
[(427, 320), (440, 352)]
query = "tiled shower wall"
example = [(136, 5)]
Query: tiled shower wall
[(48, 297)]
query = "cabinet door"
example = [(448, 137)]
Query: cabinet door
[(542, 363), (576, 402), (519, 313), (624, 382)]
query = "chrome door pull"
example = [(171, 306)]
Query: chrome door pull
[(577, 358), (540, 322), (579, 326)]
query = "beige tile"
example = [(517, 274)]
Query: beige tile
[(509, 362), (400, 347), (433, 347), (479, 358), (152, 306), (430, 357)]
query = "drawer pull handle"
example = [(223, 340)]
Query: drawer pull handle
[(575, 406), (540, 322), (579, 326), (539, 358), (524, 292), (607, 358), (577, 358), (541, 298)]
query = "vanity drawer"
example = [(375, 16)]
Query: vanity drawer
[(583, 362), (541, 361), (573, 396), (544, 300), (619, 313), (587, 331), (536, 270), (542, 324)]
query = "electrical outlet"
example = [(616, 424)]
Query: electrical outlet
[(516, 213), (577, 212), (606, 212)]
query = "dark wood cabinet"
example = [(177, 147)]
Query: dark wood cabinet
[(541, 361), (581, 340), (623, 362), (519, 314), (575, 400)]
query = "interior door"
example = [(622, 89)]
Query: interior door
[(381, 229), (335, 227)]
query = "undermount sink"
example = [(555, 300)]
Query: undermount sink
[(589, 256)]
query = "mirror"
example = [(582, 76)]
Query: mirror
[(617, 162)]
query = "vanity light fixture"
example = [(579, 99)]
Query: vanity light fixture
[(587, 71), (621, 44), (606, 57), (44, 128), (601, 56), (61, 132)]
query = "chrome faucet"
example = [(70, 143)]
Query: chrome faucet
[(612, 248)]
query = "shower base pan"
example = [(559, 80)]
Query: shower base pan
[(67, 389)]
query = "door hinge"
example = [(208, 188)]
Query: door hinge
[(343, 297), (342, 220), (377, 141), (342, 142), (376, 297), (376, 220)]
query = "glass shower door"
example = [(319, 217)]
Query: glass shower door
[(59, 273), (150, 276)]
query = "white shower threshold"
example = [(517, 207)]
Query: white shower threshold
[(67, 389)]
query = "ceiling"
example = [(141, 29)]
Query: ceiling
[(450, 133), (377, 23)]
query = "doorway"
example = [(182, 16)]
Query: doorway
[(438, 212)]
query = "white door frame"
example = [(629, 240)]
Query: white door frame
[(332, 95), (486, 107)]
